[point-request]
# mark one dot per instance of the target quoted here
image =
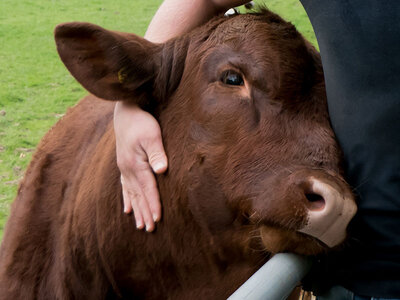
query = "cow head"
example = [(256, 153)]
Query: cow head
[(241, 103)]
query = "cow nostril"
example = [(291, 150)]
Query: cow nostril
[(315, 201)]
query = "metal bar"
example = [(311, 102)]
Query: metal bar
[(276, 279)]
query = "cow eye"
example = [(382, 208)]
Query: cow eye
[(232, 78)]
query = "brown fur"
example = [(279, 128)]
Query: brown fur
[(234, 152)]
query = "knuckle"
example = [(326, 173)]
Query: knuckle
[(134, 195), (123, 163), (142, 167), (155, 134), (149, 184), (152, 138), (156, 156)]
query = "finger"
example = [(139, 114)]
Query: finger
[(148, 184), (130, 202), (125, 197), (138, 219), (146, 213), (136, 211), (127, 202), (140, 205), (156, 155)]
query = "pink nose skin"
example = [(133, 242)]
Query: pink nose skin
[(330, 211)]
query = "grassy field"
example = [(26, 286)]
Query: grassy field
[(36, 89)]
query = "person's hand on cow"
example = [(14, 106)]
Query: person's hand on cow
[(140, 152)]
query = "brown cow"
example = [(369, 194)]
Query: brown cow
[(254, 166)]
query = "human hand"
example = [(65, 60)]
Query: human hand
[(139, 152)]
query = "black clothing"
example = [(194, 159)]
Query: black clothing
[(360, 48)]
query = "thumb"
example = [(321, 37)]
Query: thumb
[(156, 156)]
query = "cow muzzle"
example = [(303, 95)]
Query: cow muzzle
[(330, 207), (302, 205)]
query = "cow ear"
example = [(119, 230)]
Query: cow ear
[(109, 64), (172, 64)]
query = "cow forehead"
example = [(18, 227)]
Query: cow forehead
[(254, 28), (263, 38)]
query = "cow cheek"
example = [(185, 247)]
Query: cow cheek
[(207, 202)]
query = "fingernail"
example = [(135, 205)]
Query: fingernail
[(149, 228), (158, 166), (139, 225), (155, 218)]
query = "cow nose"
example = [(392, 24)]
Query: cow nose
[(330, 207)]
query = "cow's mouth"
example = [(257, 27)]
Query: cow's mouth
[(277, 240)]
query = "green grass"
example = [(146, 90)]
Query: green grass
[(36, 89), (293, 11)]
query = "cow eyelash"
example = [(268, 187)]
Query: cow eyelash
[(231, 77)]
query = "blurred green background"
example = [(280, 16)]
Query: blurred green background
[(35, 87)]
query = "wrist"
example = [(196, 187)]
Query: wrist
[(224, 5), (123, 107)]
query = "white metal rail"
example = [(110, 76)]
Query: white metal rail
[(276, 279)]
